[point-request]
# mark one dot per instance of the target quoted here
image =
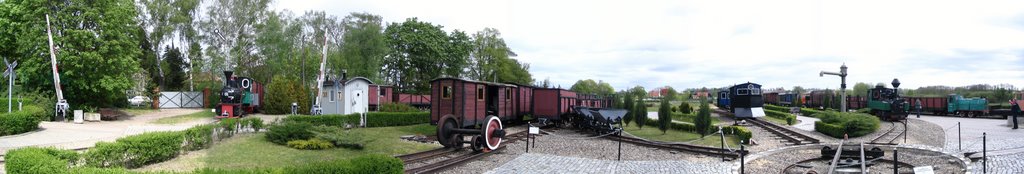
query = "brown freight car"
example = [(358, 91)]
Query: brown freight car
[(935, 105), (552, 103), (384, 96), (459, 106), (771, 98)]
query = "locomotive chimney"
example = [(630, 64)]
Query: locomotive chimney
[(227, 78)]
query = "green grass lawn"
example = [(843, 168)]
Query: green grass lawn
[(689, 118), (776, 120), (184, 118), (253, 151), (652, 133)]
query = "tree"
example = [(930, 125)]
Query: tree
[(703, 120), (641, 114), (672, 94), (282, 92), (490, 60), (175, 70), (420, 52), (629, 103), (363, 46), (685, 108), (860, 89), (98, 48), (664, 115), (229, 33), (589, 86)]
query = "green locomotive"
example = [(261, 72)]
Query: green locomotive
[(887, 104)]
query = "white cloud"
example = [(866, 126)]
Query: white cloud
[(689, 44)]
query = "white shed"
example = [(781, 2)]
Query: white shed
[(345, 96)]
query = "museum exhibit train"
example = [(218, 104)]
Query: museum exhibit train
[(723, 98), (478, 109), (746, 101), (239, 96), (953, 104), (887, 104)]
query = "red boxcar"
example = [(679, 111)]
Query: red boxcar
[(854, 102), (551, 103), (383, 96), (524, 96), (771, 98), (470, 102)]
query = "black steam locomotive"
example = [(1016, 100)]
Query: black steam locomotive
[(239, 96)]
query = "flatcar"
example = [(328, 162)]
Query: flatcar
[(887, 104), (239, 96), (746, 101)]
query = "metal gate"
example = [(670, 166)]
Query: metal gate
[(181, 100)]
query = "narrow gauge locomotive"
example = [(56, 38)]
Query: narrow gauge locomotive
[(887, 104), (952, 104), (478, 109), (746, 101), (239, 96)]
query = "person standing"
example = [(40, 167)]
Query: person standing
[(918, 108), (1015, 108)]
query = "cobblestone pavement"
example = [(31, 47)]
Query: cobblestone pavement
[(570, 144), (545, 163), (999, 137)]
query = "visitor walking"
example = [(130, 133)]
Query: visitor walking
[(918, 108), (1015, 108)]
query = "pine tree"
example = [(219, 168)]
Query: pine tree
[(629, 105), (703, 120), (641, 113), (664, 115)]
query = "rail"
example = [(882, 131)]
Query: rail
[(451, 161), (710, 151), (790, 135), (881, 139)]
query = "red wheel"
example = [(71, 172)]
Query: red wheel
[(492, 140)]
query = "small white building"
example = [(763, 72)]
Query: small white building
[(345, 96)]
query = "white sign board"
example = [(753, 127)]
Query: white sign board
[(534, 130), (924, 170)]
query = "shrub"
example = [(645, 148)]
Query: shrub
[(776, 108), (809, 112), (703, 120), (685, 108), (282, 92), (740, 132), (311, 144), (326, 120), (836, 124), (641, 114), (199, 137), (39, 160), (664, 116), (384, 119), (628, 105), (17, 122), (790, 118), (341, 137), (252, 122), (377, 163), (287, 131), (136, 150), (396, 107)]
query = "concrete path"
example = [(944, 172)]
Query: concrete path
[(806, 123), (69, 135), (1003, 143), (544, 163)]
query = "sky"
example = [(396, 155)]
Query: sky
[(693, 44)]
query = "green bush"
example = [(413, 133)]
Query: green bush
[(39, 160), (17, 122), (136, 150), (790, 118), (836, 124), (341, 137), (740, 132), (397, 107), (685, 108), (809, 112), (776, 108), (311, 144), (373, 119), (289, 130), (326, 120), (252, 122), (377, 163), (199, 137)]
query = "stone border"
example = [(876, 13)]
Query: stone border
[(963, 160)]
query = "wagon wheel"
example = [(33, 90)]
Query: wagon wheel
[(493, 132), (444, 136)]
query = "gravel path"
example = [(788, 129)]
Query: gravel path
[(569, 144)]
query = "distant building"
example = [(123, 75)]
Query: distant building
[(659, 92), (700, 94)]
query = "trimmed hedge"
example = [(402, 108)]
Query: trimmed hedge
[(373, 119), (397, 107), (39, 160), (311, 144), (21, 121), (740, 132), (782, 109), (809, 112), (836, 124), (289, 131), (685, 127), (199, 137), (790, 118), (136, 150)]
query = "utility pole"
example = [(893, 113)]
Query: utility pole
[(842, 86)]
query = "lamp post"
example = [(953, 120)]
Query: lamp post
[(842, 86)]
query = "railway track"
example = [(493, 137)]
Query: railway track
[(710, 151), (793, 137), (893, 134), (427, 161)]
